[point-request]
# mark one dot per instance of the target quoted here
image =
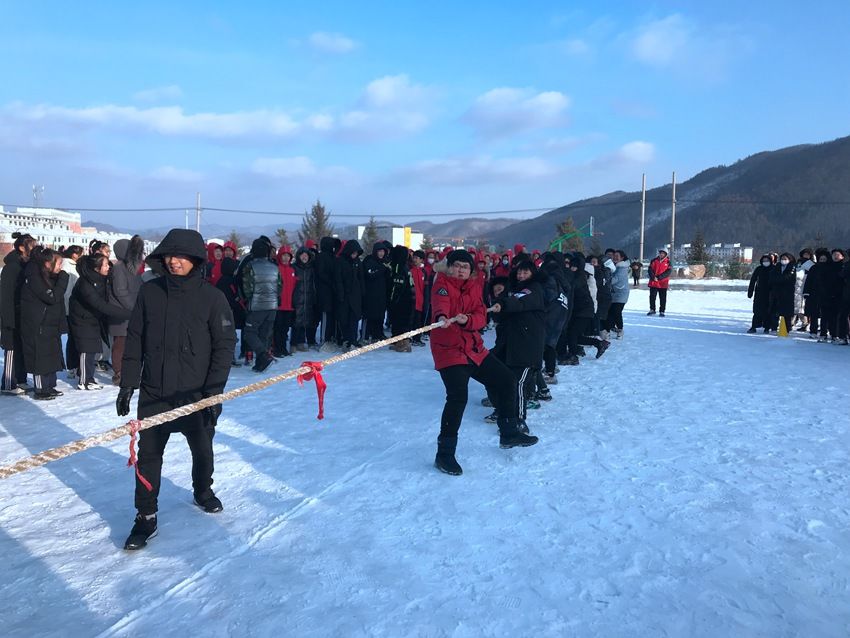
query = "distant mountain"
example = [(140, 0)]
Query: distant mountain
[(469, 230), (778, 200)]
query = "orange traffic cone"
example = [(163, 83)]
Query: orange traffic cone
[(783, 328)]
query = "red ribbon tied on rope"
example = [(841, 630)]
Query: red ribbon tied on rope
[(131, 462), (315, 374)]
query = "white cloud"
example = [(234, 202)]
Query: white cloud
[(172, 174), (298, 168), (575, 46), (505, 111), (389, 107), (332, 42), (478, 170), (677, 42), (637, 151), (159, 94)]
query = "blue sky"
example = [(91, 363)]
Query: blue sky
[(402, 108)]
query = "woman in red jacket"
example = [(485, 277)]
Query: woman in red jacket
[(459, 354), (285, 313), (659, 280)]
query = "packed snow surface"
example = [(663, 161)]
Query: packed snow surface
[(691, 482)]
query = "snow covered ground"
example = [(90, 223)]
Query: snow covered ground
[(692, 482)]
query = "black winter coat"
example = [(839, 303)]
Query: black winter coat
[(43, 320), (228, 285), (522, 323), (304, 296), (181, 338), (759, 289), (326, 275), (603, 292), (831, 284), (90, 310), (349, 279), (782, 286), (582, 300), (557, 293), (376, 281), (11, 280)]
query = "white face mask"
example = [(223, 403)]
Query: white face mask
[(505, 261), (765, 263), (430, 260), (784, 262)]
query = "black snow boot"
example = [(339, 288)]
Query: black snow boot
[(445, 461), (210, 504), (143, 530), (511, 436), (602, 347)]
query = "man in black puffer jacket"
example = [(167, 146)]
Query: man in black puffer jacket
[(179, 348), (325, 269), (349, 291), (261, 285)]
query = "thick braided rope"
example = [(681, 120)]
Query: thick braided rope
[(37, 460)]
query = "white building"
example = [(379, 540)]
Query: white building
[(397, 235), (718, 252), (53, 228)]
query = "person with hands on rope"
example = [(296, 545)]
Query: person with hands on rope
[(459, 354), (179, 348)]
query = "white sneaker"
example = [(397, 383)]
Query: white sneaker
[(14, 392), (89, 386)]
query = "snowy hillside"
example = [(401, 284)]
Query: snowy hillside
[(692, 482)]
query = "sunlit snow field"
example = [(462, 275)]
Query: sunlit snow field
[(691, 482)]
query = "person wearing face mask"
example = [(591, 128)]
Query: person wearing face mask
[(813, 292), (804, 264), (832, 286), (759, 292), (783, 281), (503, 268)]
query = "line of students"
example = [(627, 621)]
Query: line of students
[(811, 291)]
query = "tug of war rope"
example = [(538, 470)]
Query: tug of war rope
[(308, 371)]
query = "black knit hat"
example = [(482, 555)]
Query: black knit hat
[(460, 255)]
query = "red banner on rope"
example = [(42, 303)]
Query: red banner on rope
[(315, 374), (131, 462)]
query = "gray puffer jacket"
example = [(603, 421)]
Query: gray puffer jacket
[(125, 281), (620, 282), (261, 285)]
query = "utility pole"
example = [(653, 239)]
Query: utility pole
[(187, 219), (591, 225), (37, 192), (198, 211), (642, 214), (673, 222)]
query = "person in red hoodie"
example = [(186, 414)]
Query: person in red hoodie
[(659, 281), (459, 354), (417, 272), (285, 311), (503, 268), (214, 256), (231, 250)]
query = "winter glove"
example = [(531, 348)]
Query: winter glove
[(122, 404), (212, 413)]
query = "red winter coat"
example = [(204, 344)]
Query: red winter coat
[(213, 264), (287, 276), (418, 275), (501, 270), (457, 344), (659, 273)]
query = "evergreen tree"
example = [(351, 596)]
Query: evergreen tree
[(237, 241), (595, 246), (427, 243), (569, 237), (370, 236), (281, 237), (735, 270), (697, 253), (316, 224)]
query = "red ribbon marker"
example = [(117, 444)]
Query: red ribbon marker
[(131, 462), (315, 374)]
